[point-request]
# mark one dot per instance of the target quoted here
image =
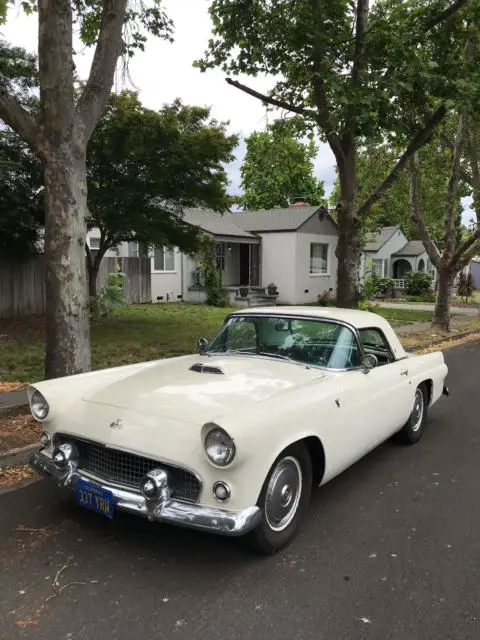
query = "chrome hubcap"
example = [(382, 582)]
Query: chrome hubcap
[(417, 411), (283, 494)]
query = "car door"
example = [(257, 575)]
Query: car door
[(387, 386)]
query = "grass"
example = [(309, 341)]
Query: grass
[(135, 334)]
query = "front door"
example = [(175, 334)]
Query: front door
[(244, 264)]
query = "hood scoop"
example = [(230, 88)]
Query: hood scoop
[(206, 368)]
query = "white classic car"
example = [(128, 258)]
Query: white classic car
[(232, 440)]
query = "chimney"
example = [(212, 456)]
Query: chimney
[(298, 202)]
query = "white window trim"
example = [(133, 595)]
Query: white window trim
[(382, 260), (327, 274), (174, 270)]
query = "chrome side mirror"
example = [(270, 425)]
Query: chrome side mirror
[(202, 345), (369, 362)]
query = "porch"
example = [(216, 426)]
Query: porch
[(238, 261)]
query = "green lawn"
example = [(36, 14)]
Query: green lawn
[(134, 334)]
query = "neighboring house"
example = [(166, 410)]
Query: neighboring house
[(474, 269), (389, 254)]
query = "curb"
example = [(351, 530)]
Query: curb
[(457, 336), (19, 456)]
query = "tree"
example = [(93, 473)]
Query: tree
[(456, 251), (58, 134), (351, 87), (144, 167), (21, 201), (279, 167), (393, 208)]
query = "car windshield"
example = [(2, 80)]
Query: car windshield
[(308, 341)]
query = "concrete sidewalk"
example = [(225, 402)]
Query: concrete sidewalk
[(427, 306), (13, 399)]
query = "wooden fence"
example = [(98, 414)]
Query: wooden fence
[(22, 285)]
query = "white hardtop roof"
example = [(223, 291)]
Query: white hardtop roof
[(351, 316)]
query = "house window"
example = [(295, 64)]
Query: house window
[(164, 259), (377, 267), (318, 258), (132, 249)]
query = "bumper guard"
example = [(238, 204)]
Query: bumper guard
[(192, 516)]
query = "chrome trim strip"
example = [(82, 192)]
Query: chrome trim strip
[(192, 516)]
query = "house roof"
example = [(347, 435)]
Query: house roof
[(375, 241), (288, 219), (412, 248), (215, 223)]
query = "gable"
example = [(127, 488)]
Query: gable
[(314, 225)]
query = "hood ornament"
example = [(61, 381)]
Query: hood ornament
[(116, 424)]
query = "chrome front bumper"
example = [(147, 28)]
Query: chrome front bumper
[(193, 516)]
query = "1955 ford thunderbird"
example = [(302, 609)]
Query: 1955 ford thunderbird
[(231, 440)]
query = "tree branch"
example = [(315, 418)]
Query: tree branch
[(446, 14), (423, 232), (449, 237), (309, 113), (95, 94), (464, 253), (416, 143), (475, 169), (20, 120), (323, 117), (360, 29)]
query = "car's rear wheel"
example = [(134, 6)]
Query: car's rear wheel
[(414, 429), (283, 500)]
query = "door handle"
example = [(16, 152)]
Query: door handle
[(404, 372)]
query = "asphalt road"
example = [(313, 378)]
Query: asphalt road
[(391, 550)]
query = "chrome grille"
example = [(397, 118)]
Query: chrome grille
[(127, 469)]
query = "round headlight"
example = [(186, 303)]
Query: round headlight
[(39, 406), (219, 447)]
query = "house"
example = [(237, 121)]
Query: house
[(389, 254), (474, 268), (292, 248)]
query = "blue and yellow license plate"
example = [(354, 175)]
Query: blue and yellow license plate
[(94, 497)]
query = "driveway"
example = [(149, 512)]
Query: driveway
[(390, 551)]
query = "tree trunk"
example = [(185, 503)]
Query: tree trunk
[(92, 281), (441, 315), (68, 331), (348, 247)]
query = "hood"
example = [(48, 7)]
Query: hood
[(199, 388)]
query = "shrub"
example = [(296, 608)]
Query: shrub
[(375, 287), (327, 299), (110, 297), (418, 283), (466, 286), (217, 294)]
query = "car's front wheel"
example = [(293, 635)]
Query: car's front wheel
[(415, 427), (283, 500)]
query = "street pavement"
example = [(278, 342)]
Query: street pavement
[(390, 551)]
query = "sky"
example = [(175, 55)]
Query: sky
[(164, 72)]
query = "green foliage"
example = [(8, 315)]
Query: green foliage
[(429, 296), (418, 283), (278, 167), (217, 294), (376, 160), (144, 167), (376, 287), (21, 176), (466, 286), (111, 297)]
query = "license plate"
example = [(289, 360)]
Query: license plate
[(94, 497)]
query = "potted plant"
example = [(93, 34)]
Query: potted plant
[(272, 289), (243, 290)]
